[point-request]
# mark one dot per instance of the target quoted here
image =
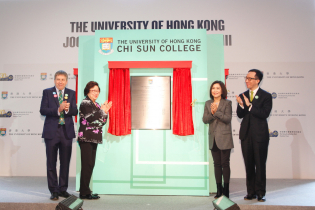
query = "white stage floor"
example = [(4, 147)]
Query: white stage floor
[(32, 193)]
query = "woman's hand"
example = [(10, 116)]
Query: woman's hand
[(106, 106), (214, 108)]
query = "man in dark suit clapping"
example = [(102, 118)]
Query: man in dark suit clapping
[(59, 106), (254, 106)]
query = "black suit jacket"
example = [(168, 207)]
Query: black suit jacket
[(49, 107), (256, 118)]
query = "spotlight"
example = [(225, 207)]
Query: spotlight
[(224, 203), (71, 203)]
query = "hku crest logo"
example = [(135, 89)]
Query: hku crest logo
[(3, 131), (274, 95), (106, 45), (43, 76), (5, 114), (4, 77), (4, 95), (273, 134)]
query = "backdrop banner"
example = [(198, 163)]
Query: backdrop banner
[(273, 36)]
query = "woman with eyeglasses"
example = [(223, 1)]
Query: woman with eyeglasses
[(92, 119), (218, 114)]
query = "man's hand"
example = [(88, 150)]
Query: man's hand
[(246, 100), (62, 106), (239, 101), (67, 106)]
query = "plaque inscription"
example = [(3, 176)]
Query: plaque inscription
[(150, 103)]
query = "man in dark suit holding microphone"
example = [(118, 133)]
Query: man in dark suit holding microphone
[(254, 106), (59, 106)]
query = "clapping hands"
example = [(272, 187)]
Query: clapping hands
[(214, 107), (240, 102), (64, 106), (106, 106)]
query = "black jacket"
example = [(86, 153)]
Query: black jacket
[(92, 120), (256, 118)]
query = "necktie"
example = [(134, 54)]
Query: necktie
[(251, 96), (62, 115)]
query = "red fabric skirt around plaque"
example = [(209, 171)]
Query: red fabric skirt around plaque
[(182, 97), (119, 94)]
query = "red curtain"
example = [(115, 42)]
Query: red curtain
[(75, 73), (119, 94), (182, 97)]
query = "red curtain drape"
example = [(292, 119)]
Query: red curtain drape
[(75, 73), (119, 94), (182, 97)]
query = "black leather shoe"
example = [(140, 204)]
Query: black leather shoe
[(64, 194), (261, 198), (249, 197), (89, 196), (54, 196)]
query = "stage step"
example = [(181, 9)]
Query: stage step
[(271, 207), (52, 206), (28, 206)]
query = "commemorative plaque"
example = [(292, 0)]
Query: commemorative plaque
[(150, 103)]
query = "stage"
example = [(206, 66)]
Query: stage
[(32, 193)]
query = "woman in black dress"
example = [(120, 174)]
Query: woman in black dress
[(92, 119)]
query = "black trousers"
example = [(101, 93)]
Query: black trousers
[(64, 144), (255, 158), (221, 160), (88, 154)]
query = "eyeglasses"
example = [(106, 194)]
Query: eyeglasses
[(249, 78), (94, 91)]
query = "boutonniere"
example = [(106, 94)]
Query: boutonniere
[(54, 93), (55, 96), (66, 96), (256, 97)]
